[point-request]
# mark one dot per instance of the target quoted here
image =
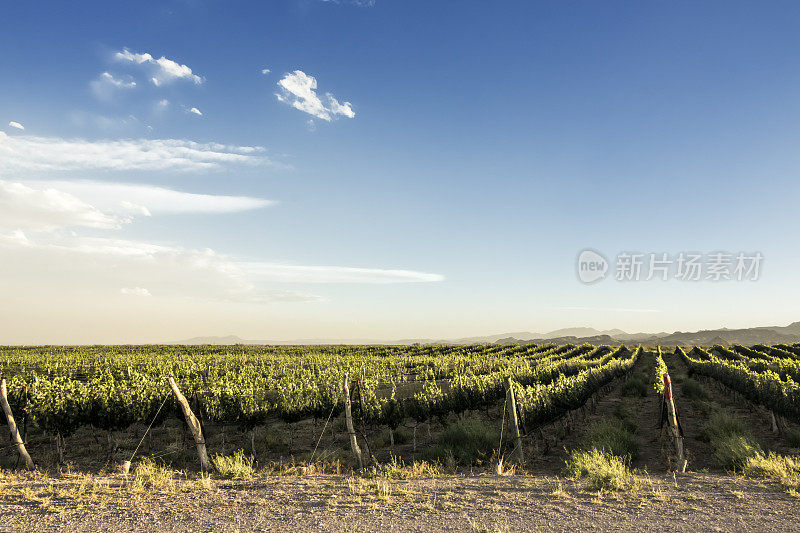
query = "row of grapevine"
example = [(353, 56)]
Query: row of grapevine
[(765, 387), (542, 403), (112, 388), (659, 371), (760, 358)]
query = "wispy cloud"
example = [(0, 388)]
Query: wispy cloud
[(359, 3), (37, 230), (130, 198), (106, 85), (607, 309), (16, 125), (92, 263), (335, 274), (196, 111), (103, 265), (298, 90), (135, 291), (25, 152), (24, 208), (162, 70), (265, 71)]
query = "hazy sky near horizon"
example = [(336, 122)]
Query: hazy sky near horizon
[(390, 169)]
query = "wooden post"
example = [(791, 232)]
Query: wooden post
[(672, 419), (773, 422), (194, 426), (12, 428), (348, 417), (60, 448), (513, 422), (363, 422)]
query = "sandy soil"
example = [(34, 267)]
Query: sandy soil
[(700, 502)]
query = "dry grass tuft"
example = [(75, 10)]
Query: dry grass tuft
[(236, 466), (601, 470), (150, 476)]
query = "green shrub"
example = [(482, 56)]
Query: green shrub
[(793, 438), (611, 436), (735, 451), (627, 417), (692, 390), (235, 466), (466, 442), (636, 387), (721, 426), (731, 442), (401, 436), (272, 441), (602, 470)]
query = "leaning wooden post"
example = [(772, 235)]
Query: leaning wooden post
[(194, 426), (348, 417), (513, 422), (12, 428), (672, 419)]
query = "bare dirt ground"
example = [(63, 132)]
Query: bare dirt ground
[(700, 502)]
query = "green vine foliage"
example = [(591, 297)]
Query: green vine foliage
[(748, 376), (64, 388)]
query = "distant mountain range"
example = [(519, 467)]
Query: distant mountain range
[(724, 336)]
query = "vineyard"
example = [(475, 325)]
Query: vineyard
[(279, 403)]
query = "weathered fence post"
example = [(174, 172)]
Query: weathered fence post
[(348, 417), (672, 419), (194, 426), (12, 428), (363, 421), (513, 422), (773, 422)]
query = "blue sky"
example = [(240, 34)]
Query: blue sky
[(441, 180)]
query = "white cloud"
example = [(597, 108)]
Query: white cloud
[(162, 70), (607, 309), (135, 291), (359, 3), (106, 85), (15, 238), (121, 83), (196, 111), (100, 264), (311, 125), (298, 89), (134, 209), (16, 125), (162, 104), (24, 152), (335, 274), (29, 209), (265, 71), (147, 200), (58, 261)]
